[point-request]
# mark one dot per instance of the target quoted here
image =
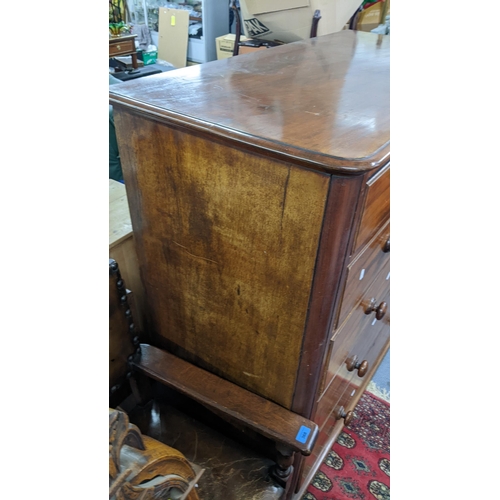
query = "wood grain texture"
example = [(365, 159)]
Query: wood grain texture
[(227, 243), (248, 181), (350, 336), (124, 253), (116, 191), (120, 226), (258, 414), (370, 345), (344, 392), (363, 270), (367, 348), (122, 46), (377, 207), (336, 237), (333, 428), (307, 101), (330, 400)]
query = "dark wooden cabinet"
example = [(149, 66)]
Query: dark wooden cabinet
[(123, 46), (258, 189)]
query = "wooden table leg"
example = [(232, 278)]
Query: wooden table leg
[(135, 64)]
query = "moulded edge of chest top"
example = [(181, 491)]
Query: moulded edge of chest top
[(308, 158)]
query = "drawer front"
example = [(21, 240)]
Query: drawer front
[(363, 270), (332, 395), (378, 294), (346, 383), (356, 327), (369, 350), (377, 343), (355, 338), (354, 384), (347, 397), (340, 393), (122, 47), (376, 209)]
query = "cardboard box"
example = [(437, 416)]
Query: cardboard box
[(370, 18), (225, 45), (291, 20), (150, 57)]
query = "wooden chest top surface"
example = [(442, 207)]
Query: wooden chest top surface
[(323, 101)]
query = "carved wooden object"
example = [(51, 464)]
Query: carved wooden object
[(143, 468)]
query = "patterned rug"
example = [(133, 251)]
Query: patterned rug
[(357, 467)]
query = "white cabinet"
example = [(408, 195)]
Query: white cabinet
[(215, 20)]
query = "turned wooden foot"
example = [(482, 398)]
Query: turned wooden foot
[(282, 470)]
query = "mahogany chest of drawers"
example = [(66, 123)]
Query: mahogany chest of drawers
[(258, 189)]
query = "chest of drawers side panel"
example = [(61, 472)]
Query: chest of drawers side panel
[(227, 243)]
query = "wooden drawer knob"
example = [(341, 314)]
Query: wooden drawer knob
[(353, 364), (387, 245), (341, 413), (380, 310)]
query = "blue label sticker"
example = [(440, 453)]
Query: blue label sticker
[(303, 434)]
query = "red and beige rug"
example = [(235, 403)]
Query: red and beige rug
[(357, 467)]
